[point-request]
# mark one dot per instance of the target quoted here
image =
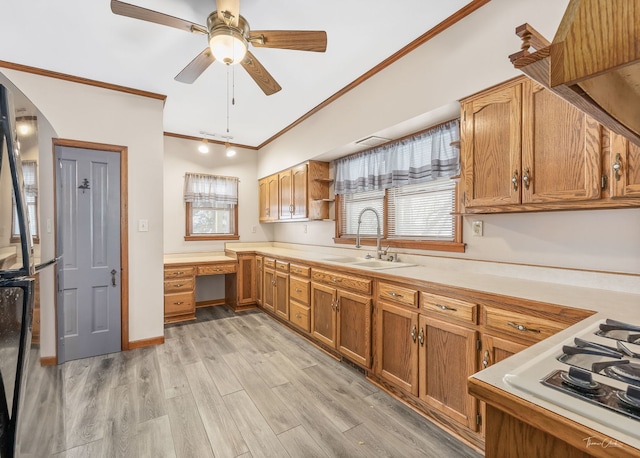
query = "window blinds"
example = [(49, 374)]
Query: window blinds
[(353, 204), (422, 211)]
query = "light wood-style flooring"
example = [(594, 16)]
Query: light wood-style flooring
[(227, 385)]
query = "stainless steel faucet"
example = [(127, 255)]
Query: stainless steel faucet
[(379, 251)]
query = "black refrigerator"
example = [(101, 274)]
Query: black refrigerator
[(16, 281)]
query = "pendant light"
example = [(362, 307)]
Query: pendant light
[(204, 146), (229, 150)]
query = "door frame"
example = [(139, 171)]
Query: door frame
[(124, 229)]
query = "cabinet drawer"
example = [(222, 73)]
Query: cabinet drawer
[(217, 269), (397, 294), (178, 304), (178, 285), (361, 285), (300, 271), (521, 324), (270, 262), (447, 307), (282, 266), (299, 315), (299, 290), (178, 272)]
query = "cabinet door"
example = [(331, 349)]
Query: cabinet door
[(494, 350), (269, 300), (323, 314), (259, 280), (354, 327), (491, 142), (396, 346), (272, 196), (246, 280), (561, 149), (286, 195), (263, 199), (282, 295), (447, 359), (299, 179), (624, 175)]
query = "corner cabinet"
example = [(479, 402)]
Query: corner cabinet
[(524, 148), (300, 193)]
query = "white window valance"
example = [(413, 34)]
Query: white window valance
[(30, 178), (210, 190), (418, 159)]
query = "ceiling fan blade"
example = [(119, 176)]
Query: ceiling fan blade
[(137, 12), (260, 75), (195, 68), (301, 40), (232, 7)]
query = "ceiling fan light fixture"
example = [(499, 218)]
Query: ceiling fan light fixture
[(227, 47)]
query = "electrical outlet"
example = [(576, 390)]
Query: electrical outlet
[(305, 228), (253, 229), (477, 228), (143, 225)]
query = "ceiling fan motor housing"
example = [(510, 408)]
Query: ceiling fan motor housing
[(228, 43)]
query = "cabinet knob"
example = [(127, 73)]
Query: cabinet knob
[(617, 167), (514, 180), (413, 333), (526, 179), (421, 337), (485, 359)]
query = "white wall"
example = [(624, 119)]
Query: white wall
[(87, 113), (468, 57), (180, 156)]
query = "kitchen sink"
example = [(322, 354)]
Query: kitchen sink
[(377, 265)]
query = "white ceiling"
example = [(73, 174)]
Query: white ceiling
[(84, 38)]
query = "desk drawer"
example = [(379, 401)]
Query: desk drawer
[(299, 315), (361, 285), (179, 285), (300, 271), (178, 272), (217, 269), (178, 304), (398, 294), (299, 290), (447, 307), (521, 324)]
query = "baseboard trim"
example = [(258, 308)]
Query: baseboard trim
[(146, 342), (48, 360), (210, 302)]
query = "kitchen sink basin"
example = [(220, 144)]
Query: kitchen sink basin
[(377, 265)]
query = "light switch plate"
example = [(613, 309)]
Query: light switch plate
[(143, 225)]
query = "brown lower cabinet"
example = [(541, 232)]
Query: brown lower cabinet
[(342, 321)]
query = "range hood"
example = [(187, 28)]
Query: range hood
[(593, 62)]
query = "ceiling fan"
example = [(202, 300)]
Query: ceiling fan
[(229, 37)]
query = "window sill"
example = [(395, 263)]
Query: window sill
[(432, 245), (198, 238)]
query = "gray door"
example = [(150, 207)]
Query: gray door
[(88, 238)]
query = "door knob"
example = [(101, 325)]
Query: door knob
[(113, 277)]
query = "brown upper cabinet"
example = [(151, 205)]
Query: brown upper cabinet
[(295, 194), (525, 149)]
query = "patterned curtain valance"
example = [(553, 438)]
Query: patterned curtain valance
[(423, 157), (210, 190)]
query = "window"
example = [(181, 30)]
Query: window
[(409, 183), (211, 207), (30, 179)]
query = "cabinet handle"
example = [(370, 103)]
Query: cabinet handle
[(485, 359), (394, 294), (179, 285), (446, 308), (298, 316), (336, 280), (413, 333), (526, 179), (273, 282), (290, 208), (178, 303), (179, 273), (522, 328), (421, 337), (337, 305), (617, 167), (514, 180), (298, 290)]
